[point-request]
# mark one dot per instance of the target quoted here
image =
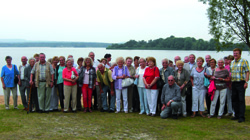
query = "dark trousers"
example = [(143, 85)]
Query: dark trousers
[(189, 100), (136, 100), (33, 99), (159, 104), (78, 100), (95, 99), (208, 103), (238, 99), (61, 95)]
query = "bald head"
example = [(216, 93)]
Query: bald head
[(24, 60), (101, 67), (176, 59), (207, 57), (171, 80)]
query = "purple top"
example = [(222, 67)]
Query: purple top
[(120, 71)]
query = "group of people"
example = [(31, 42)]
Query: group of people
[(130, 85)]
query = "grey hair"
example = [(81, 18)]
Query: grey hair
[(70, 59), (142, 59), (165, 59), (221, 60), (85, 59), (171, 76), (32, 58), (101, 64)]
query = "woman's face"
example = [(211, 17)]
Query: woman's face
[(62, 61), (8, 61), (136, 62), (180, 66), (55, 62), (151, 63), (88, 62), (32, 62), (69, 64), (120, 63), (142, 63), (212, 64), (104, 62), (199, 63), (220, 64), (79, 63)]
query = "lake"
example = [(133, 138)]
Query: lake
[(17, 53)]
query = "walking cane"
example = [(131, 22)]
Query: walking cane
[(28, 110)]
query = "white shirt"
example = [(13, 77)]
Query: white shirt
[(95, 63)]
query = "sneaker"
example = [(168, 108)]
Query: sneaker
[(141, 113), (16, 108), (33, 110), (7, 108), (117, 112)]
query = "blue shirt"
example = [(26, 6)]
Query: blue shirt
[(8, 75)]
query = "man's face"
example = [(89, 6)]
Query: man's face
[(37, 59), (92, 56), (24, 60), (128, 62), (207, 58), (176, 59), (171, 80), (42, 58), (191, 58), (109, 59), (186, 60), (32, 62), (164, 64), (237, 55), (101, 68)]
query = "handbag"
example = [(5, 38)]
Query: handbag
[(127, 81), (16, 78), (206, 80)]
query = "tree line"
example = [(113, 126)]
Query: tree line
[(174, 43)]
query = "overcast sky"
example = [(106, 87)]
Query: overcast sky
[(111, 21)]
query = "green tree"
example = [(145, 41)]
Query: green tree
[(229, 22)]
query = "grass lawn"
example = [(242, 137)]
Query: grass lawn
[(17, 124)]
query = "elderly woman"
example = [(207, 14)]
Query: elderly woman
[(70, 77), (79, 89), (33, 97), (54, 97), (141, 87), (87, 80), (8, 74), (181, 78), (59, 80), (221, 76), (120, 72), (150, 77), (199, 90)]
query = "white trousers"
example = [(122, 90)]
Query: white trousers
[(124, 93), (198, 99), (152, 95), (223, 94)]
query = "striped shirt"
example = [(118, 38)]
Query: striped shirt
[(238, 70)]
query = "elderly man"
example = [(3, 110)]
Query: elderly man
[(240, 76), (191, 64), (171, 99), (22, 86), (176, 58), (44, 79), (207, 57), (105, 82), (92, 56), (186, 59)]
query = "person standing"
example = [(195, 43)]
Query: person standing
[(207, 58), (107, 56), (131, 69), (8, 74), (22, 87), (176, 58), (44, 80), (59, 80), (240, 76), (79, 89), (54, 97)]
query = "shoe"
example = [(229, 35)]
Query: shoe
[(141, 113), (79, 109), (131, 110), (234, 118), (46, 112), (7, 108), (55, 110), (102, 110), (33, 110), (149, 114), (16, 108), (126, 111), (153, 115), (65, 112), (210, 116), (219, 117), (90, 110), (185, 115), (193, 115), (241, 120), (73, 111), (111, 111), (40, 111), (85, 110), (202, 115), (117, 112), (229, 114), (175, 116)]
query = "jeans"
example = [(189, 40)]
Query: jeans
[(124, 93), (143, 100), (104, 99)]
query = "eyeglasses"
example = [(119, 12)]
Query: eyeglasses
[(170, 80)]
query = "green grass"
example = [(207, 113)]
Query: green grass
[(17, 124)]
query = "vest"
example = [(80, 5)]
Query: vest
[(47, 73), (106, 77)]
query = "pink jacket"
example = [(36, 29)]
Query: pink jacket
[(211, 89)]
